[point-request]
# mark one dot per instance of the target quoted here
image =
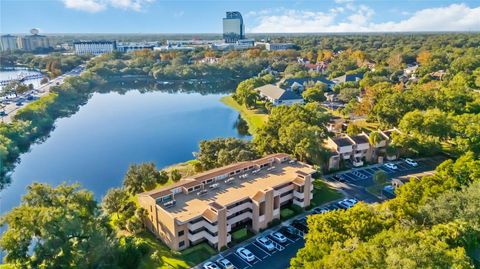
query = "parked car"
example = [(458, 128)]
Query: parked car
[(279, 237), (301, 225), (210, 265), (320, 210), (2, 113), (391, 166), (225, 264), (347, 203), (19, 103), (289, 230), (266, 243), (246, 254), (411, 162)]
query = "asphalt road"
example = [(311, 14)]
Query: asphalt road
[(12, 108)]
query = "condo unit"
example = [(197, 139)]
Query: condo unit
[(357, 149), (208, 206)]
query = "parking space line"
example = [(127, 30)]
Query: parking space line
[(257, 246), (238, 256)]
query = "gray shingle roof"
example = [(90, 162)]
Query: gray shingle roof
[(277, 93)]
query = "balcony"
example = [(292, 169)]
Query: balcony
[(299, 195), (286, 198), (240, 218), (201, 224), (283, 190), (202, 234), (239, 208)]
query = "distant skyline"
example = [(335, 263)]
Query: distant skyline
[(183, 16)]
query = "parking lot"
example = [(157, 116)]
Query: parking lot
[(10, 106), (354, 181), (277, 258)]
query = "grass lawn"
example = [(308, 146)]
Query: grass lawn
[(173, 259), (286, 213), (241, 235), (255, 118), (322, 193)]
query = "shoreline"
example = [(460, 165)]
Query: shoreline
[(254, 118)]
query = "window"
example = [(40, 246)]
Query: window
[(181, 233), (181, 244)]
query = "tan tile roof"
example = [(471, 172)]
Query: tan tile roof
[(210, 215), (299, 181)]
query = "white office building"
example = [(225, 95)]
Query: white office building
[(94, 47), (8, 42)]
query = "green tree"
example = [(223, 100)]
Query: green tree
[(313, 94), (143, 177), (380, 177), (57, 228), (175, 175), (114, 201), (224, 151), (353, 129)]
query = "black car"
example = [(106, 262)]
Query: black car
[(301, 224), (2, 113), (333, 207)]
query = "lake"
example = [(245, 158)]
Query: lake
[(96, 145)]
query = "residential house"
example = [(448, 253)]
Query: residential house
[(278, 96), (348, 78), (341, 149), (357, 149), (361, 148), (299, 84)]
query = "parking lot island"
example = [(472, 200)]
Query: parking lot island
[(207, 207)]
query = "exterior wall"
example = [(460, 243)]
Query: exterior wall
[(162, 225), (95, 48), (8, 42), (222, 228)]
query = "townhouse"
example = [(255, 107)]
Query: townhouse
[(209, 206), (357, 149)]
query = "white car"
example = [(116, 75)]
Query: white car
[(210, 265), (347, 203), (411, 162), (225, 264), (266, 243), (246, 254), (279, 237), (391, 166)]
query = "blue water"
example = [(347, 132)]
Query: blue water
[(96, 145)]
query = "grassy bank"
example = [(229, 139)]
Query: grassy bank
[(254, 118)]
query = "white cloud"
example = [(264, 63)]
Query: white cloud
[(100, 5), (358, 18), (85, 5)]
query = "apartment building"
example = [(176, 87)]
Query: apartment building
[(94, 47), (209, 206), (357, 149)]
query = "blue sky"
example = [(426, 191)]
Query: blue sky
[(182, 16)]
